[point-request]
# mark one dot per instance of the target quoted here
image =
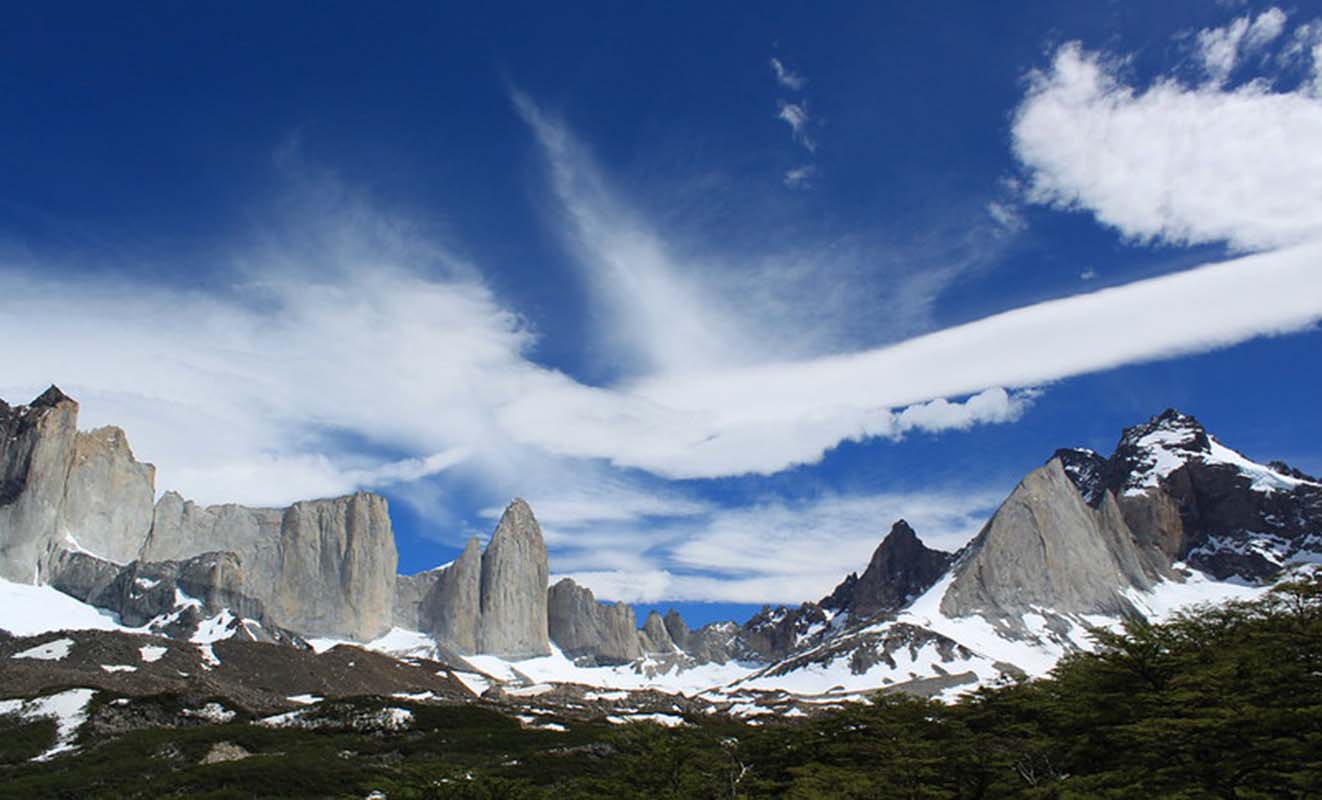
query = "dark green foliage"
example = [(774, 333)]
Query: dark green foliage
[(21, 740), (1221, 703)]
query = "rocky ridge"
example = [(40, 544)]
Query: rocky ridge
[(1083, 540), (76, 511)]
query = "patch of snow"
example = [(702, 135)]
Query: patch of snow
[(1265, 479), (1035, 656), (209, 659), (1169, 597), (535, 724), (214, 629), (68, 709), (146, 584), (27, 610), (402, 643), (667, 720), (395, 719), (391, 719), (418, 696), (118, 668), (647, 673), (152, 653), (530, 691), (304, 699), (72, 545), (285, 720), (56, 650), (324, 643), (475, 683)]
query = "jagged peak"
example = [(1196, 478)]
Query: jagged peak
[(1086, 469), (1171, 429), (50, 398), (1151, 452), (901, 530)]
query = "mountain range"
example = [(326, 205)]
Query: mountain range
[(1171, 517)]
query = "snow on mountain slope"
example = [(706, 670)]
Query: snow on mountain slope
[(26, 610), (68, 709), (1158, 448)]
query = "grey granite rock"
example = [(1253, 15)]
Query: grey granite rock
[(336, 568), (655, 637), (513, 620), (589, 631), (108, 497), (180, 599), (1047, 548), (322, 567), (36, 450)]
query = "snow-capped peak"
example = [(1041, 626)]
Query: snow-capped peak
[(1171, 440)]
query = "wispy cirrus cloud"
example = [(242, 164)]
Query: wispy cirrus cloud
[(787, 77), (775, 551), (795, 115), (799, 177), (1222, 49)]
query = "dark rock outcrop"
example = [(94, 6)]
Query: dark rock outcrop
[(172, 598), (1210, 506), (902, 568)]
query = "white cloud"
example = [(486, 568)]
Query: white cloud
[(239, 396), (1221, 49), (1088, 274), (795, 115), (784, 552), (787, 77), (765, 418), (800, 177), (1006, 215), (657, 315), (1305, 51), (1172, 163)]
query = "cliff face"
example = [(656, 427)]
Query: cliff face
[(492, 602), (336, 569), (601, 633), (513, 591), (1047, 548), (444, 602), (323, 567), (62, 489)]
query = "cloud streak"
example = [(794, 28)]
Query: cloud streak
[(768, 417)]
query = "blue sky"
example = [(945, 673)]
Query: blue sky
[(717, 291)]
